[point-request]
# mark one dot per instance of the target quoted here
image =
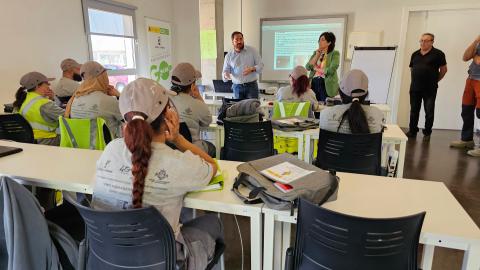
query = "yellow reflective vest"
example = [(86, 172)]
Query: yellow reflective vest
[(30, 110)]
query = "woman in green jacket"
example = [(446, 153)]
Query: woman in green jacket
[(323, 65)]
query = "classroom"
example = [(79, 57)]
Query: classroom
[(191, 112)]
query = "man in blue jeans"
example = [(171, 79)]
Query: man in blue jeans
[(242, 65)]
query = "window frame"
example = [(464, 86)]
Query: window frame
[(112, 7)]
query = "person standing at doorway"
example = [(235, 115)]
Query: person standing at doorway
[(242, 65), (470, 99), (428, 66)]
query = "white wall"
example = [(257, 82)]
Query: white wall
[(363, 15), (187, 32), (37, 35)]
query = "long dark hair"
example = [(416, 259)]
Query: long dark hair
[(329, 37), (20, 96), (138, 135), (300, 85), (357, 119)]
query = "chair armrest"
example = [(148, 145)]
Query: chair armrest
[(289, 258)]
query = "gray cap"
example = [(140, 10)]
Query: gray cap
[(145, 96), (354, 80), (33, 79), (69, 64), (298, 71), (185, 74), (91, 69)]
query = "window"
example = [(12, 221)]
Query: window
[(112, 37)]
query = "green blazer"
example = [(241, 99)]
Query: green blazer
[(331, 77)]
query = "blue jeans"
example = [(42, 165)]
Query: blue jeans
[(318, 87), (245, 90)]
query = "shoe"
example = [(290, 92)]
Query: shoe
[(426, 138), (411, 134), (462, 144), (474, 153)]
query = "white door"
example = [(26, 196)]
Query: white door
[(454, 30)]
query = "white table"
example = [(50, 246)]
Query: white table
[(446, 223), (391, 135), (74, 169)]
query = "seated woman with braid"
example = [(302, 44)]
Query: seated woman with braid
[(352, 117), (141, 170)]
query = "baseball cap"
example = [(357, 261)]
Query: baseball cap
[(355, 79), (145, 96), (68, 64), (185, 74), (32, 79), (298, 71), (91, 69)]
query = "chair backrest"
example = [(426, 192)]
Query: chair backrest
[(247, 141), (286, 109), (355, 153), (16, 128), (338, 241), (183, 129), (84, 133), (128, 239)]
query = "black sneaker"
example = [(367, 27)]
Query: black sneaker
[(411, 134)]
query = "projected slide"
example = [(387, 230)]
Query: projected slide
[(288, 43)]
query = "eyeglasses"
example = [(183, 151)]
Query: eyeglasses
[(425, 40)]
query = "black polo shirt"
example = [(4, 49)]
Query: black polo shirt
[(424, 69)]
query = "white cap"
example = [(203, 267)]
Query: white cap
[(145, 96)]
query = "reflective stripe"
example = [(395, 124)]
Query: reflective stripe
[(299, 108), (70, 133), (42, 127), (93, 134), (281, 107), (29, 105)]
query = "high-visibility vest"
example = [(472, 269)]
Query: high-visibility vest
[(286, 109), (30, 110), (83, 133)]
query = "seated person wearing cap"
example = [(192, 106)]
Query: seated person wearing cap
[(352, 117), (299, 89), (190, 105), (33, 100), (96, 98), (68, 84), (141, 170)]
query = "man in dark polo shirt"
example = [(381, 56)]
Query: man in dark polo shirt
[(428, 66)]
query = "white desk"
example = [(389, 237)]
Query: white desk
[(74, 169), (391, 135), (446, 222)]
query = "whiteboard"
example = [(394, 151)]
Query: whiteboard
[(377, 63)]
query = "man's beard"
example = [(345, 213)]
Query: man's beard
[(240, 47)]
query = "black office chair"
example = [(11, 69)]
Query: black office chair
[(183, 129), (354, 153), (247, 141), (331, 240), (134, 238), (8, 108), (16, 128)]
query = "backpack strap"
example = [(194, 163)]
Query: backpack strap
[(333, 187), (252, 196)]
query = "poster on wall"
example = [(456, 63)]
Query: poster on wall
[(159, 38)]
